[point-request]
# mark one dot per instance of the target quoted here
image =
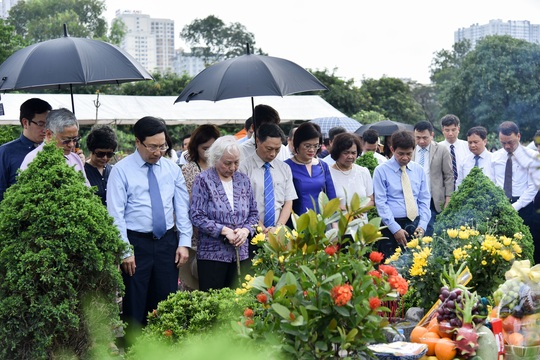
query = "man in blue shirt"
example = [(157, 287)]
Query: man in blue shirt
[(148, 199), (391, 198), (32, 117)]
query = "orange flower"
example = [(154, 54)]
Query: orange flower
[(167, 333), (291, 315), (374, 303), (342, 294), (248, 313), (399, 283), (376, 257), (249, 322), (271, 291), (262, 298), (330, 250), (375, 274), (388, 270)]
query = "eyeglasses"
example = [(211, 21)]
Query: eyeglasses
[(38, 124), (68, 141), (154, 148), (311, 146), (101, 154)]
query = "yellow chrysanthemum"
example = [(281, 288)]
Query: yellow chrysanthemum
[(257, 239), (460, 254), (241, 291), (484, 262), (453, 233), (462, 228), (412, 244), (505, 240), (507, 255), (518, 236), (281, 259), (427, 239), (517, 249), (464, 235), (256, 262)]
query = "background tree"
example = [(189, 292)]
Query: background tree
[(214, 41), (392, 98), (341, 94), (497, 81), (117, 32), (9, 41), (426, 97)]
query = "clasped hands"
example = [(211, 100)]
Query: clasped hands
[(236, 237)]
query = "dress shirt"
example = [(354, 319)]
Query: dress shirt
[(461, 149), (427, 162), (72, 159), (128, 197), (381, 159), (183, 158), (282, 180), (11, 157), (389, 193), (522, 174), (247, 149), (484, 162)]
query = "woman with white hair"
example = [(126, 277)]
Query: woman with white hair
[(224, 211)]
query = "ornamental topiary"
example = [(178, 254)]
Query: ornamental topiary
[(59, 256), (369, 162), (480, 203)]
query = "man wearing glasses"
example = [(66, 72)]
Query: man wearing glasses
[(62, 127), (32, 118), (148, 199)]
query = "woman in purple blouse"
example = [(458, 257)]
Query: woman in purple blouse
[(224, 211)]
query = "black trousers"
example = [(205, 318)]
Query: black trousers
[(156, 276), (388, 246), (218, 274), (531, 218)]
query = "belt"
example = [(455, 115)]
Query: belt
[(149, 235)]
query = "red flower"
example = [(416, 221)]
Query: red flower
[(398, 283), (342, 294), (375, 274), (248, 313), (388, 270), (291, 315), (262, 298), (376, 257), (249, 322), (271, 291), (374, 303), (167, 333), (330, 250)]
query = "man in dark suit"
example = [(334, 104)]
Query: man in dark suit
[(437, 164)]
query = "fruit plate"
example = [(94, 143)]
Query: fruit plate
[(400, 350), (522, 352)]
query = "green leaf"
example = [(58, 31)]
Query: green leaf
[(302, 222), (331, 208), (342, 310), (281, 311), (269, 279), (332, 325), (332, 278), (299, 321), (351, 335), (321, 345), (309, 273)]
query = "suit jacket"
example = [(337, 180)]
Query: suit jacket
[(441, 176), (210, 211)]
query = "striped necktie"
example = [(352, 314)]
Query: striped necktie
[(269, 210), (159, 226), (422, 156), (454, 163)]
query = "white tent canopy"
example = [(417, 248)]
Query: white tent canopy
[(125, 110)]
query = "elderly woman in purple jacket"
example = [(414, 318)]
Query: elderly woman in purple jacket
[(224, 211)]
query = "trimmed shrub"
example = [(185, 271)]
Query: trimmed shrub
[(480, 203), (59, 255)]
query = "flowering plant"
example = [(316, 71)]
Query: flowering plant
[(488, 257), (318, 290)]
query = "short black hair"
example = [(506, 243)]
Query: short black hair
[(449, 120), (248, 123), (101, 137), (478, 130), (343, 142), (371, 136), (186, 136), (265, 114), (307, 131), (31, 107), (402, 139), (508, 128), (270, 130), (149, 126), (336, 130), (202, 134), (423, 125)]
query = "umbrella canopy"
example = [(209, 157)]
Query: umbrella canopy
[(68, 61), (248, 76), (385, 127), (326, 123)]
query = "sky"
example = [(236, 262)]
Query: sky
[(355, 39)]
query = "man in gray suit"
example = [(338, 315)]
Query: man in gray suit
[(437, 164)]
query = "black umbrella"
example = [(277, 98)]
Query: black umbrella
[(385, 127), (67, 61), (248, 76)]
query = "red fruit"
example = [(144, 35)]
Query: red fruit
[(262, 298), (330, 250), (248, 313), (466, 340)]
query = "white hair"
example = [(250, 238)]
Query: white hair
[(227, 143)]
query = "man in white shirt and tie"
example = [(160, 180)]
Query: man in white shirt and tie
[(458, 148), (479, 156)]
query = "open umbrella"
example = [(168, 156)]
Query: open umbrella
[(385, 127), (326, 123), (67, 61), (248, 76)]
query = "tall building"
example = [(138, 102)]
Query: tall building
[(6, 6), (150, 41), (187, 63), (520, 29)]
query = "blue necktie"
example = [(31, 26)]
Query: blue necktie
[(454, 163), (159, 226), (422, 156), (269, 210), (476, 158)]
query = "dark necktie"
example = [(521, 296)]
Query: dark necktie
[(476, 158), (454, 163), (508, 177), (159, 226), (269, 210)]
